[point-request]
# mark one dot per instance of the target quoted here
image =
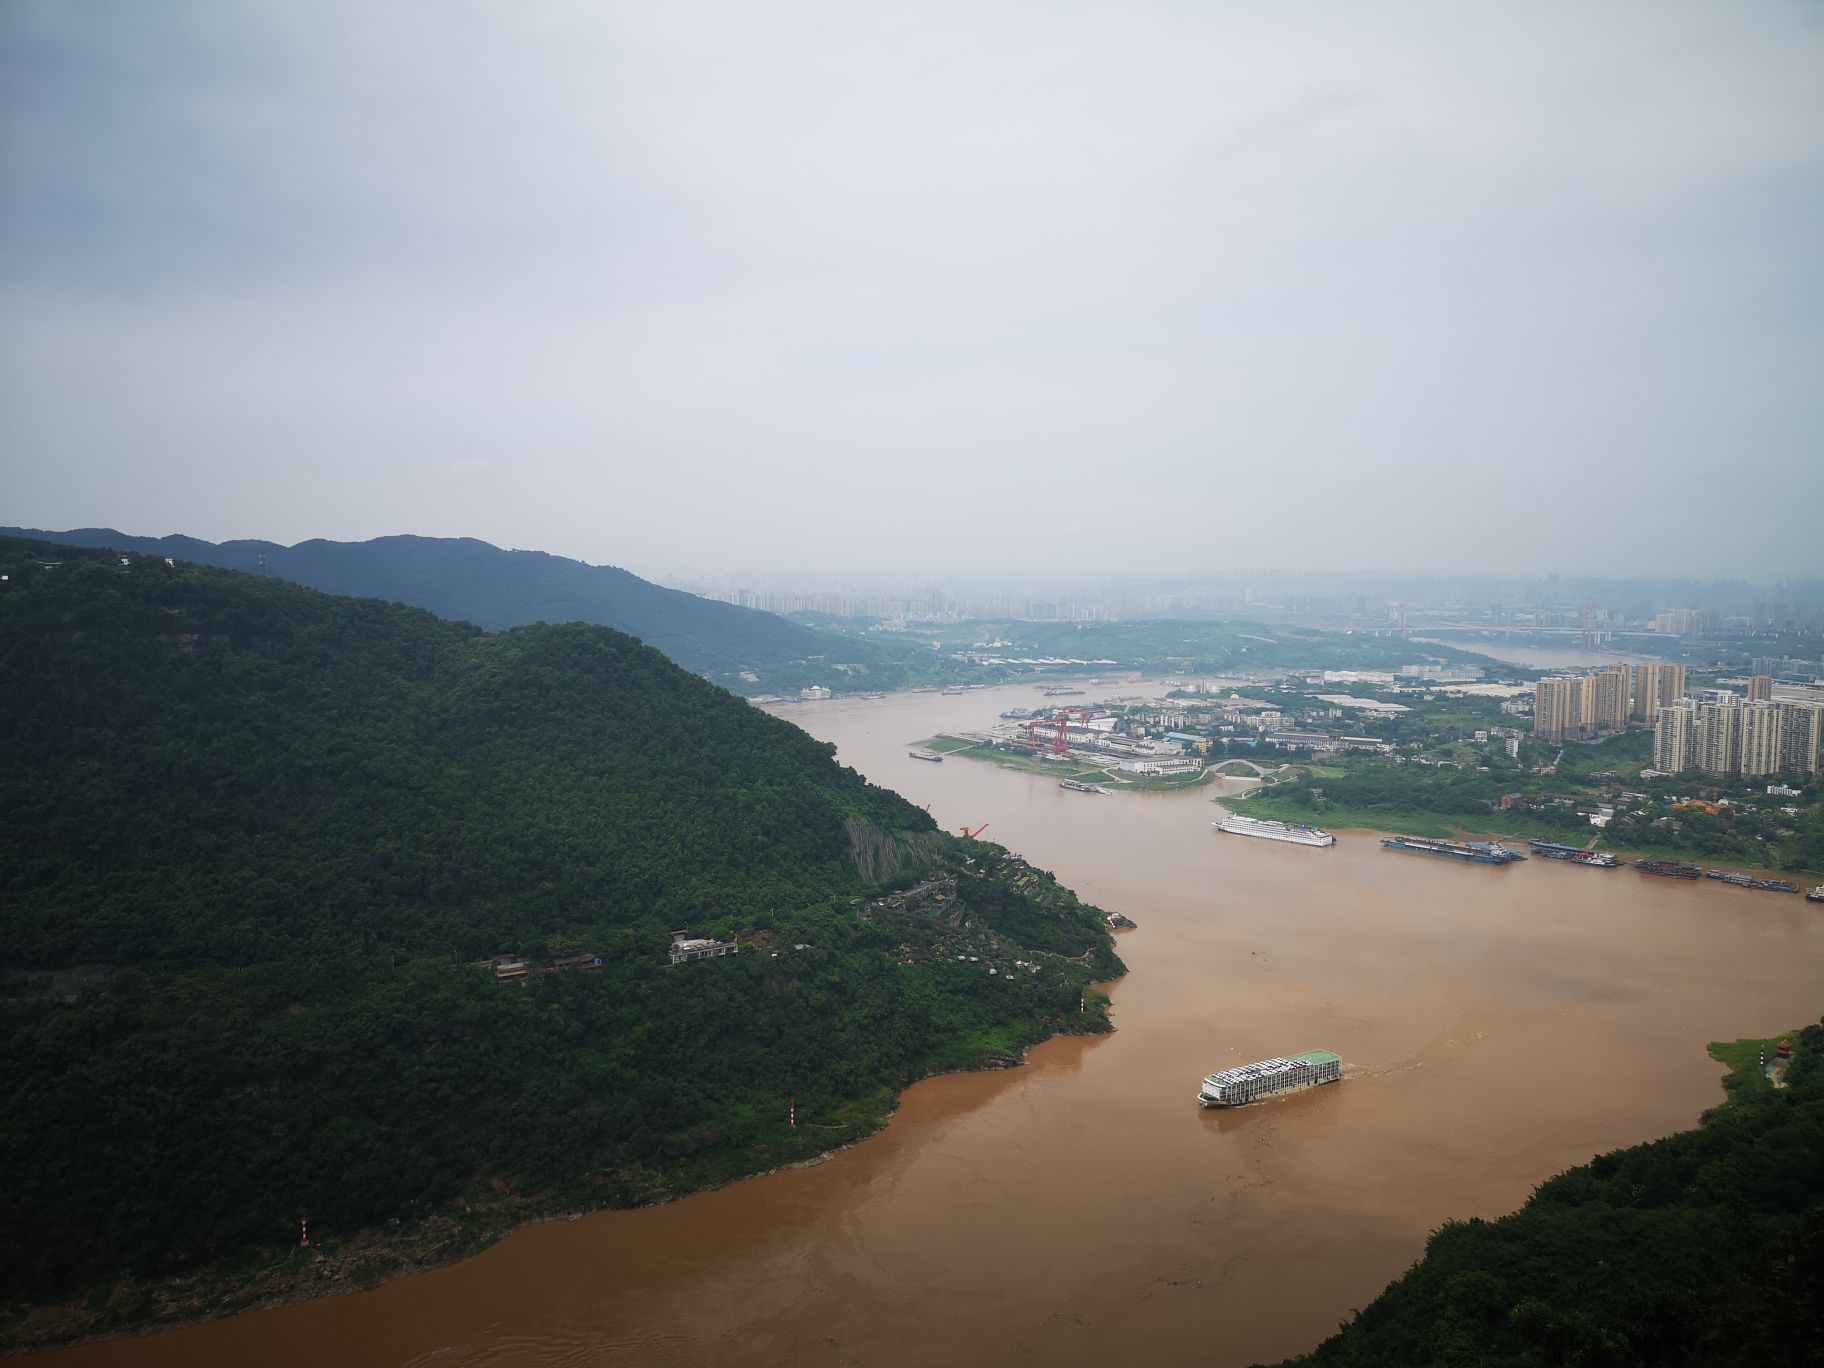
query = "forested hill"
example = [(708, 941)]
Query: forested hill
[(257, 839), (472, 581)]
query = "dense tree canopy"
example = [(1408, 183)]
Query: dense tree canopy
[(257, 838)]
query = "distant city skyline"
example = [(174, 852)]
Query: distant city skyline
[(1001, 288)]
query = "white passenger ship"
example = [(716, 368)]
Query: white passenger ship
[(1249, 1082), (1274, 831)]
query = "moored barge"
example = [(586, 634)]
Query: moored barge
[(1739, 880), (1553, 850), (1669, 869), (1481, 852), (1749, 881)]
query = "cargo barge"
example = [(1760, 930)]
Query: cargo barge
[(1595, 859), (1749, 881), (1078, 786), (1669, 869), (1481, 852), (922, 754), (1268, 1078)]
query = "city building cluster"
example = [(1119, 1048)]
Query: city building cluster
[(1589, 613), (1719, 731), (1582, 707), (1723, 733)]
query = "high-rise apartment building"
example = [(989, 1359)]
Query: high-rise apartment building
[(1576, 707), (1760, 688), (1802, 737), (1680, 622), (1643, 693), (1675, 737), (1609, 699), (1722, 735), (1564, 709), (1671, 683), (1718, 747), (1759, 747)]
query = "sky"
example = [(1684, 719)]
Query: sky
[(1448, 287)]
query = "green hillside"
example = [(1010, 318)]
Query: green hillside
[(472, 581), (257, 839)]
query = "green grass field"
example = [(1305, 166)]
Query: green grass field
[(1109, 776)]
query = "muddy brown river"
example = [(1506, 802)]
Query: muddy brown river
[(1497, 1025)]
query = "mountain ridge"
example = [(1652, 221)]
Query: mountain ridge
[(470, 580)]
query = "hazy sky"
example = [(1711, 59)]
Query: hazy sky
[(1453, 286)]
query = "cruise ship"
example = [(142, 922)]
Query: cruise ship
[(1482, 852), (1595, 859), (1269, 1077), (1275, 831)]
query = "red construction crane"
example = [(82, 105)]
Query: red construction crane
[(969, 835), (1060, 738)]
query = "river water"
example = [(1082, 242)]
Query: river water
[(1497, 1026)]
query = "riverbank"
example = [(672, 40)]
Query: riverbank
[(1263, 801), (487, 1213), (1697, 1248)]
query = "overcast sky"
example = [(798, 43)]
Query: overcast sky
[(1439, 287)]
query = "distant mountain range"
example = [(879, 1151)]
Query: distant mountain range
[(472, 581)]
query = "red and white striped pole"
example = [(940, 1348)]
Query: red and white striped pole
[(303, 1230), (791, 1112)]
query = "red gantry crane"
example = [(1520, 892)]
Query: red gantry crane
[(1060, 739), (969, 835)]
